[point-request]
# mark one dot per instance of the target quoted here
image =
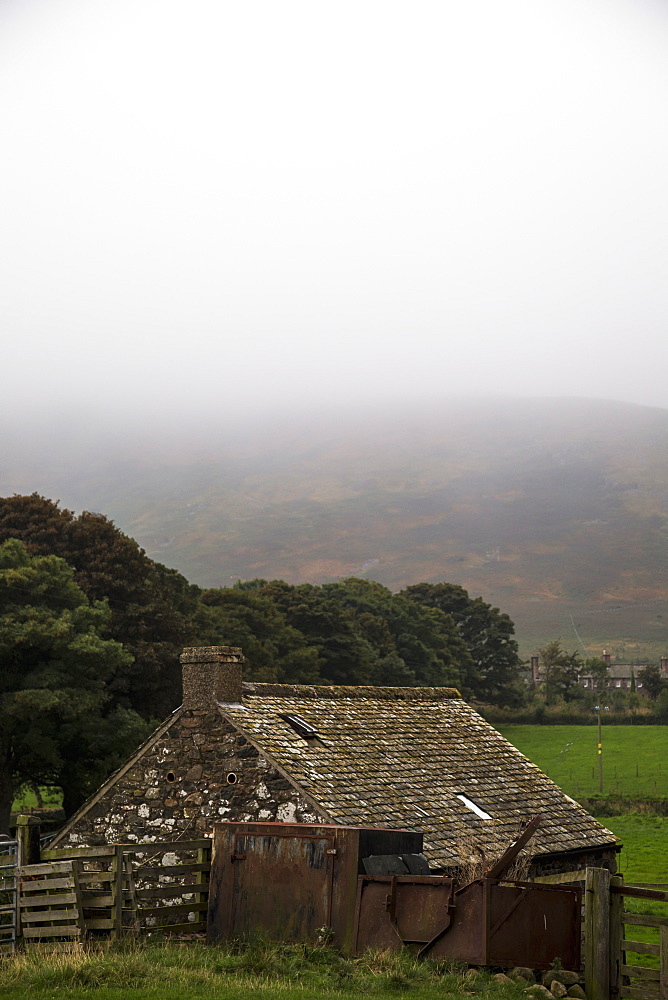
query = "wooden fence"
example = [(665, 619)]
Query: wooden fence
[(8, 896), (50, 902), (608, 945), (168, 885), (115, 890)]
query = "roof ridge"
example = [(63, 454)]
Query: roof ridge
[(341, 691)]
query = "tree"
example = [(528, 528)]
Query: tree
[(596, 668), (350, 632), (57, 722), (661, 708), (413, 644), (345, 653), (487, 634), (153, 609), (559, 672), (653, 681), (619, 699), (245, 616)]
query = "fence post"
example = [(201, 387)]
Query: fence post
[(203, 857), (597, 934), (118, 892), (27, 836), (663, 982), (77, 868), (616, 933), (131, 894)]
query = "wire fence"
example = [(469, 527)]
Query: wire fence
[(633, 781)]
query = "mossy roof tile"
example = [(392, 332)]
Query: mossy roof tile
[(387, 756)]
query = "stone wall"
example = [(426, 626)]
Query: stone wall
[(199, 772), (555, 864)]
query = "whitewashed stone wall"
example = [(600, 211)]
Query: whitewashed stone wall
[(201, 771)]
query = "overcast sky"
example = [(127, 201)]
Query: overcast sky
[(270, 203)]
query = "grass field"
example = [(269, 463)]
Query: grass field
[(194, 971), (635, 758), (644, 857), (52, 798), (635, 763)]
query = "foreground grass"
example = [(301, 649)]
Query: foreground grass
[(194, 971), (635, 758)]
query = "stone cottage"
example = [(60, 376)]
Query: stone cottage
[(408, 758)]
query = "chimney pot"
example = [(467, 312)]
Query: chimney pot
[(211, 674)]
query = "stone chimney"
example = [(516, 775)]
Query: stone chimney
[(606, 658), (211, 674), (535, 670), (664, 666)]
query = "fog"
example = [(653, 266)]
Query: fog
[(260, 207)]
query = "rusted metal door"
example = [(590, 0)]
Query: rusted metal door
[(525, 920), (512, 923), (287, 880), (402, 910), (268, 870)]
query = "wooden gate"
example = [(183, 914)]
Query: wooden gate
[(168, 886), (50, 902), (617, 965), (158, 888), (642, 965), (8, 896)]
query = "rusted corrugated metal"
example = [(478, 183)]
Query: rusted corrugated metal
[(289, 881), (403, 910), (511, 923)]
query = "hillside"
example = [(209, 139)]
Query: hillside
[(554, 510)]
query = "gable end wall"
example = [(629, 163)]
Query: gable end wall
[(200, 749)]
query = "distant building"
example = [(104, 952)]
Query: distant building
[(621, 676)]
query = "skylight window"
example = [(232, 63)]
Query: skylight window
[(480, 813), (300, 726)]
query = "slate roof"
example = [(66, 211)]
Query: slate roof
[(398, 757), (619, 670)]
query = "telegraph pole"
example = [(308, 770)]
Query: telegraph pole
[(600, 753), (598, 709)]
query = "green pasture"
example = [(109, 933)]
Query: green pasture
[(635, 765), (52, 798), (635, 758), (644, 856), (194, 971)]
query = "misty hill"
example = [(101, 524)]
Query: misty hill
[(556, 511)]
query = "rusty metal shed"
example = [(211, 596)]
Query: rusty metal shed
[(287, 881), (291, 881)]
